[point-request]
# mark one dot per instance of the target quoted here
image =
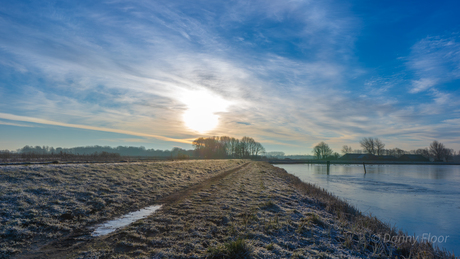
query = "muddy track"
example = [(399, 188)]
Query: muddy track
[(174, 198), (65, 247)]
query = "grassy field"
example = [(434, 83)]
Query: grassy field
[(40, 203), (211, 209)]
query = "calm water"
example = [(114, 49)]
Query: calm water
[(420, 199)]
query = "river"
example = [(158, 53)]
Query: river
[(422, 200)]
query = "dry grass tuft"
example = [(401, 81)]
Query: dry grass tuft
[(231, 250)]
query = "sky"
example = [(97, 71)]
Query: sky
[(287, 73)]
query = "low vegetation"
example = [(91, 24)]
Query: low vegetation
[(259, 211), (40, 203), (233, 249)]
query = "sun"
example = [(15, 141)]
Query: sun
[(200, 120), (202, 110)]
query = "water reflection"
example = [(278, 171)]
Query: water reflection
[(438, 172), (112, 225)]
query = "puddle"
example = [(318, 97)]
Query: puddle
[(110, 226)]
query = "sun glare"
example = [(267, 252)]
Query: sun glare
[(202, 107)]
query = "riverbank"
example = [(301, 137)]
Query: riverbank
[(357, 162), (253, 209)]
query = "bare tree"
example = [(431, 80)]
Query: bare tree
[(373, 146), (346, 149), (226, 142), (259, 149), (234, 144), (322, 150), (379, 146), (399, 152), (390, 152), (317, 152), (245, 146), (369, 145), (248, 146), (450, 153), (438, 150), (252, 147), (335, 155), (423, 151), (222, 147)]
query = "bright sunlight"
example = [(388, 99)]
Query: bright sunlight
[(202, 107)]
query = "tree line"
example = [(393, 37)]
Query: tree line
[(436, 150), (7, 156), (227, 147), (211, 147), (90, 150)]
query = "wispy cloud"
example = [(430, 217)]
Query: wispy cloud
[(14, 124), (436, 61), (77, 126), (422, 85), (288, 69), (158, 68), (436, 57)]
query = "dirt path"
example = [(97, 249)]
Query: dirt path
[(252, 203), (77, 240), (174, 198), (253, 211)]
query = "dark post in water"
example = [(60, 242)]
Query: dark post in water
[(328, 165), (364, 165)]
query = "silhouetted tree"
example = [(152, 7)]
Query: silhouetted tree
[(245, 142), (450, 153), (88, 150), (423, 151), (335, 155), (372, 145), (346, 149), (378, 146), (179, 153), (322, 150), (259, 149), (234, 147), (223, 147), (368, 145), (438, 150)]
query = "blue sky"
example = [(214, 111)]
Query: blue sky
[(288, 73)]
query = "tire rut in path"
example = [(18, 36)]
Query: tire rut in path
[(176, 197)]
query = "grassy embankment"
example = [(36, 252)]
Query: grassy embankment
[(43, 203), (259, 211)]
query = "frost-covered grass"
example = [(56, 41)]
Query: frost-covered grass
[(39, 203), (258, 212)]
